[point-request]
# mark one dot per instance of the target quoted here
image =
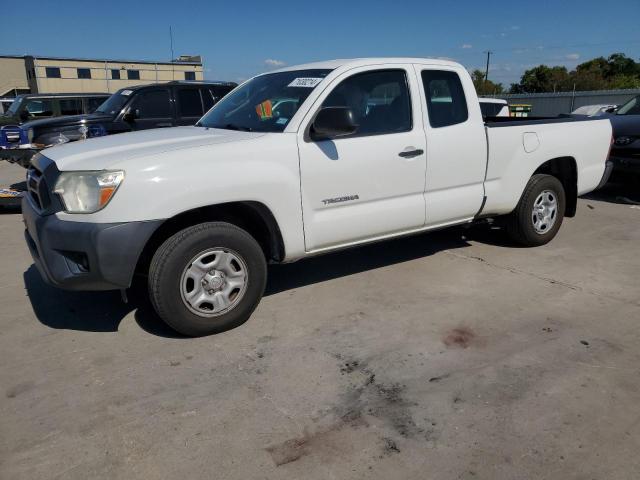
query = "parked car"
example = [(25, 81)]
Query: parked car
[(594, 110), (625, 153), (494, 107), (202, 209), (129, 109), (35, 106)]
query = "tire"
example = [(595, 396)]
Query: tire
[(527, 229), (224, 258)]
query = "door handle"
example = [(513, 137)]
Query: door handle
[(411, 153)]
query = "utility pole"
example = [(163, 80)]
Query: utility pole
[(486, 72)]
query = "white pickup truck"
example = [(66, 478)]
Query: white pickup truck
[(294, 163)]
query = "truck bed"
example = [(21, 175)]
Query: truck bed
[(519, 146)]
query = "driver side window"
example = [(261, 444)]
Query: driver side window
[(379, 101)]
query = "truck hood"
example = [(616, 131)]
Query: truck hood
[(104, 152)]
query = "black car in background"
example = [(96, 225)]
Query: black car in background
[(625, 151), (129, 109), (40, 105)]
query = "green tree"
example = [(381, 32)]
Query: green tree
[(600, 73), (542, 79), (485, 87)]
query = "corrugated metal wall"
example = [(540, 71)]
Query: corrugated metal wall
[(553, 104)]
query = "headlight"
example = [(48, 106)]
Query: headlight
[(87, 192)]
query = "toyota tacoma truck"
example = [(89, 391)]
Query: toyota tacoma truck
[(294, 163)]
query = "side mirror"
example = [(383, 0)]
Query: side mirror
[(24, 114), (611, 109), (131, 115), (333, 122)]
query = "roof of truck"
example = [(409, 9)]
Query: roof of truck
[(360, 62)]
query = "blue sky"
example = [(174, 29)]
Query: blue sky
[(240, 38)]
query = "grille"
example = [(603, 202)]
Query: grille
[(37, 188), (10, 136)]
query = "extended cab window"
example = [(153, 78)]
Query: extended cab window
[(379, 100), (153, 104), (446, 102)]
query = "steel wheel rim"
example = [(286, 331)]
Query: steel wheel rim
[(544, 212), (214, 282)]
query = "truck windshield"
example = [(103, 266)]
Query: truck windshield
[(115, 102), (265, 103), (632, 107)]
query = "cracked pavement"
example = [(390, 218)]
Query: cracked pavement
[(450, 355)]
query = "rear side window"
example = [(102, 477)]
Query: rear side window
[(93, 103), (70, 106), (153, 104), (446, 102), (189, 104), (379, 100)]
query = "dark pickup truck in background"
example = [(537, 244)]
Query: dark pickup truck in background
[(134, 108)]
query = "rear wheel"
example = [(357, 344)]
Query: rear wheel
[(539, 213), (207, 278)]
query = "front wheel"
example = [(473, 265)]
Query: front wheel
[(539, 213), (207, 278)]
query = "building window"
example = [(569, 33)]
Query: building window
[(189, 75), (84, 73), (115, 74), (52, 72), (133, 74)]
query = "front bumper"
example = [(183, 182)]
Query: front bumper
[(81, 255)]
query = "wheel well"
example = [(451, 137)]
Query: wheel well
[(254, 217), (565, 170)]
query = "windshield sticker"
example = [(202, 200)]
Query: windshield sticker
[(307, 82), (126, 92), (282, 121), (264, 110)]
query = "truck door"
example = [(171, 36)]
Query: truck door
[(456, 146), (371, 183), (152, 108)]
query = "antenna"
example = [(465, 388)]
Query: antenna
[(173, 73), (486, 72)]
